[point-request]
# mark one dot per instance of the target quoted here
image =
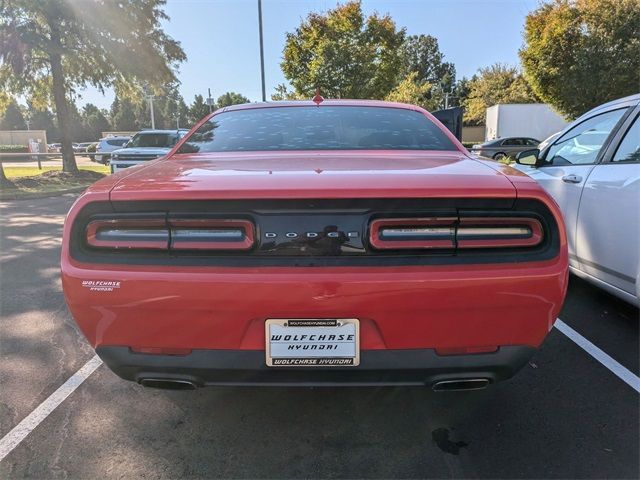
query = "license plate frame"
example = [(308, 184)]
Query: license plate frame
[(347, 351)]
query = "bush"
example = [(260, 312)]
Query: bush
[(14, 149)]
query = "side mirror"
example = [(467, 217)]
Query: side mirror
[(528, 157), (124, 145)]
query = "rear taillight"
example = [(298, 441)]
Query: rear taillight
[(205, 234), (126, 234), (412, 233), (171, 234), (448, 233)]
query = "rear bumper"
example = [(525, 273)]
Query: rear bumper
[(377, 367)]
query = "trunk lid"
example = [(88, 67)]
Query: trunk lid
[(311, 174)]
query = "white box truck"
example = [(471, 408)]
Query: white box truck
[(532, 120)]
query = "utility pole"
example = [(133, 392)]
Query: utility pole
[(210, 101), (264, 96), (153, 119)]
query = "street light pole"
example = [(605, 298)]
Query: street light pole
[(153, 119), (264, 96)]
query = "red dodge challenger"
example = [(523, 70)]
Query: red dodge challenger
[(334, 242)]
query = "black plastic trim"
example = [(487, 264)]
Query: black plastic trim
[(247, 367), (349, 252)]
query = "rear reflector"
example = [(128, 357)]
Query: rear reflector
[(466, 350)]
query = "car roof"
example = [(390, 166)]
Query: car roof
[(325, 102), (620, 102), (174, 130)]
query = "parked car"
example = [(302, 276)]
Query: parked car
[(82, 147), (144, 146), (106, 146), (318, 243), (592, 169), (54, 147), (504, 147)]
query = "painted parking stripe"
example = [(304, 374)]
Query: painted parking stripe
[(12, 439), (614, 367)]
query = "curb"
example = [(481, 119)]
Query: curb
[(34, 195)]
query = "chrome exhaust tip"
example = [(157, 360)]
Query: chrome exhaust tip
[(168, 384), (461, 384)]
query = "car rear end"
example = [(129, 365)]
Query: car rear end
[(369, 269)]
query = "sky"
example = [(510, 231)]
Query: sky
[(220, 38)]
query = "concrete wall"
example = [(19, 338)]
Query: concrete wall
[(473, 134), (21, 137)]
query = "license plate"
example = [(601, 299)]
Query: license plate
[(324, 342)]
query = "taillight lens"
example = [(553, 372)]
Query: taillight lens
[(128, 234), (205, 234), (172, 234), (412, 233), (449, 233), (500, 232)]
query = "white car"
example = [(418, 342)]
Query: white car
[(144, 146), (108, 145), (592, 169)]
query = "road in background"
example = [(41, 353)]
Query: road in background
[(564, 416)]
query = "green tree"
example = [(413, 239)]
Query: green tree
[(416, 92), (94, 122), (198, 110), (283, 93), (492, 85), (581, 53), (230, 98), (49, 48), (44, 119), (422, 55), (344, 54), (13, 118), (124, 115)]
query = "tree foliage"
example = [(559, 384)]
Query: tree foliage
[(12, 118), (416, 92), (198, 109), (492, 85), (230, 98), (581, 53), (50, 48), (422, 55), (344, 54)]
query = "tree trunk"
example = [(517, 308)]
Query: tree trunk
[(62, 105)]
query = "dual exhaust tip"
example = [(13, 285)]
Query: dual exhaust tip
[(454, 385)]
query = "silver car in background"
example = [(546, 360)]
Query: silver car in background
[(592, 169), (504, 147)]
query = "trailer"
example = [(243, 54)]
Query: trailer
[(531, 120)]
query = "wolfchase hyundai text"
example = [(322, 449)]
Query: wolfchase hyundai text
[(334, 242)]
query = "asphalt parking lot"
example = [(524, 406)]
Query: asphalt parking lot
[(564, 416)]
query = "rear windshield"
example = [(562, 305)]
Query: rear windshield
[(317, 128), (157, 140)]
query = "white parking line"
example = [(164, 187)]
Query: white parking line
[(12, 439), (614, 367)]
